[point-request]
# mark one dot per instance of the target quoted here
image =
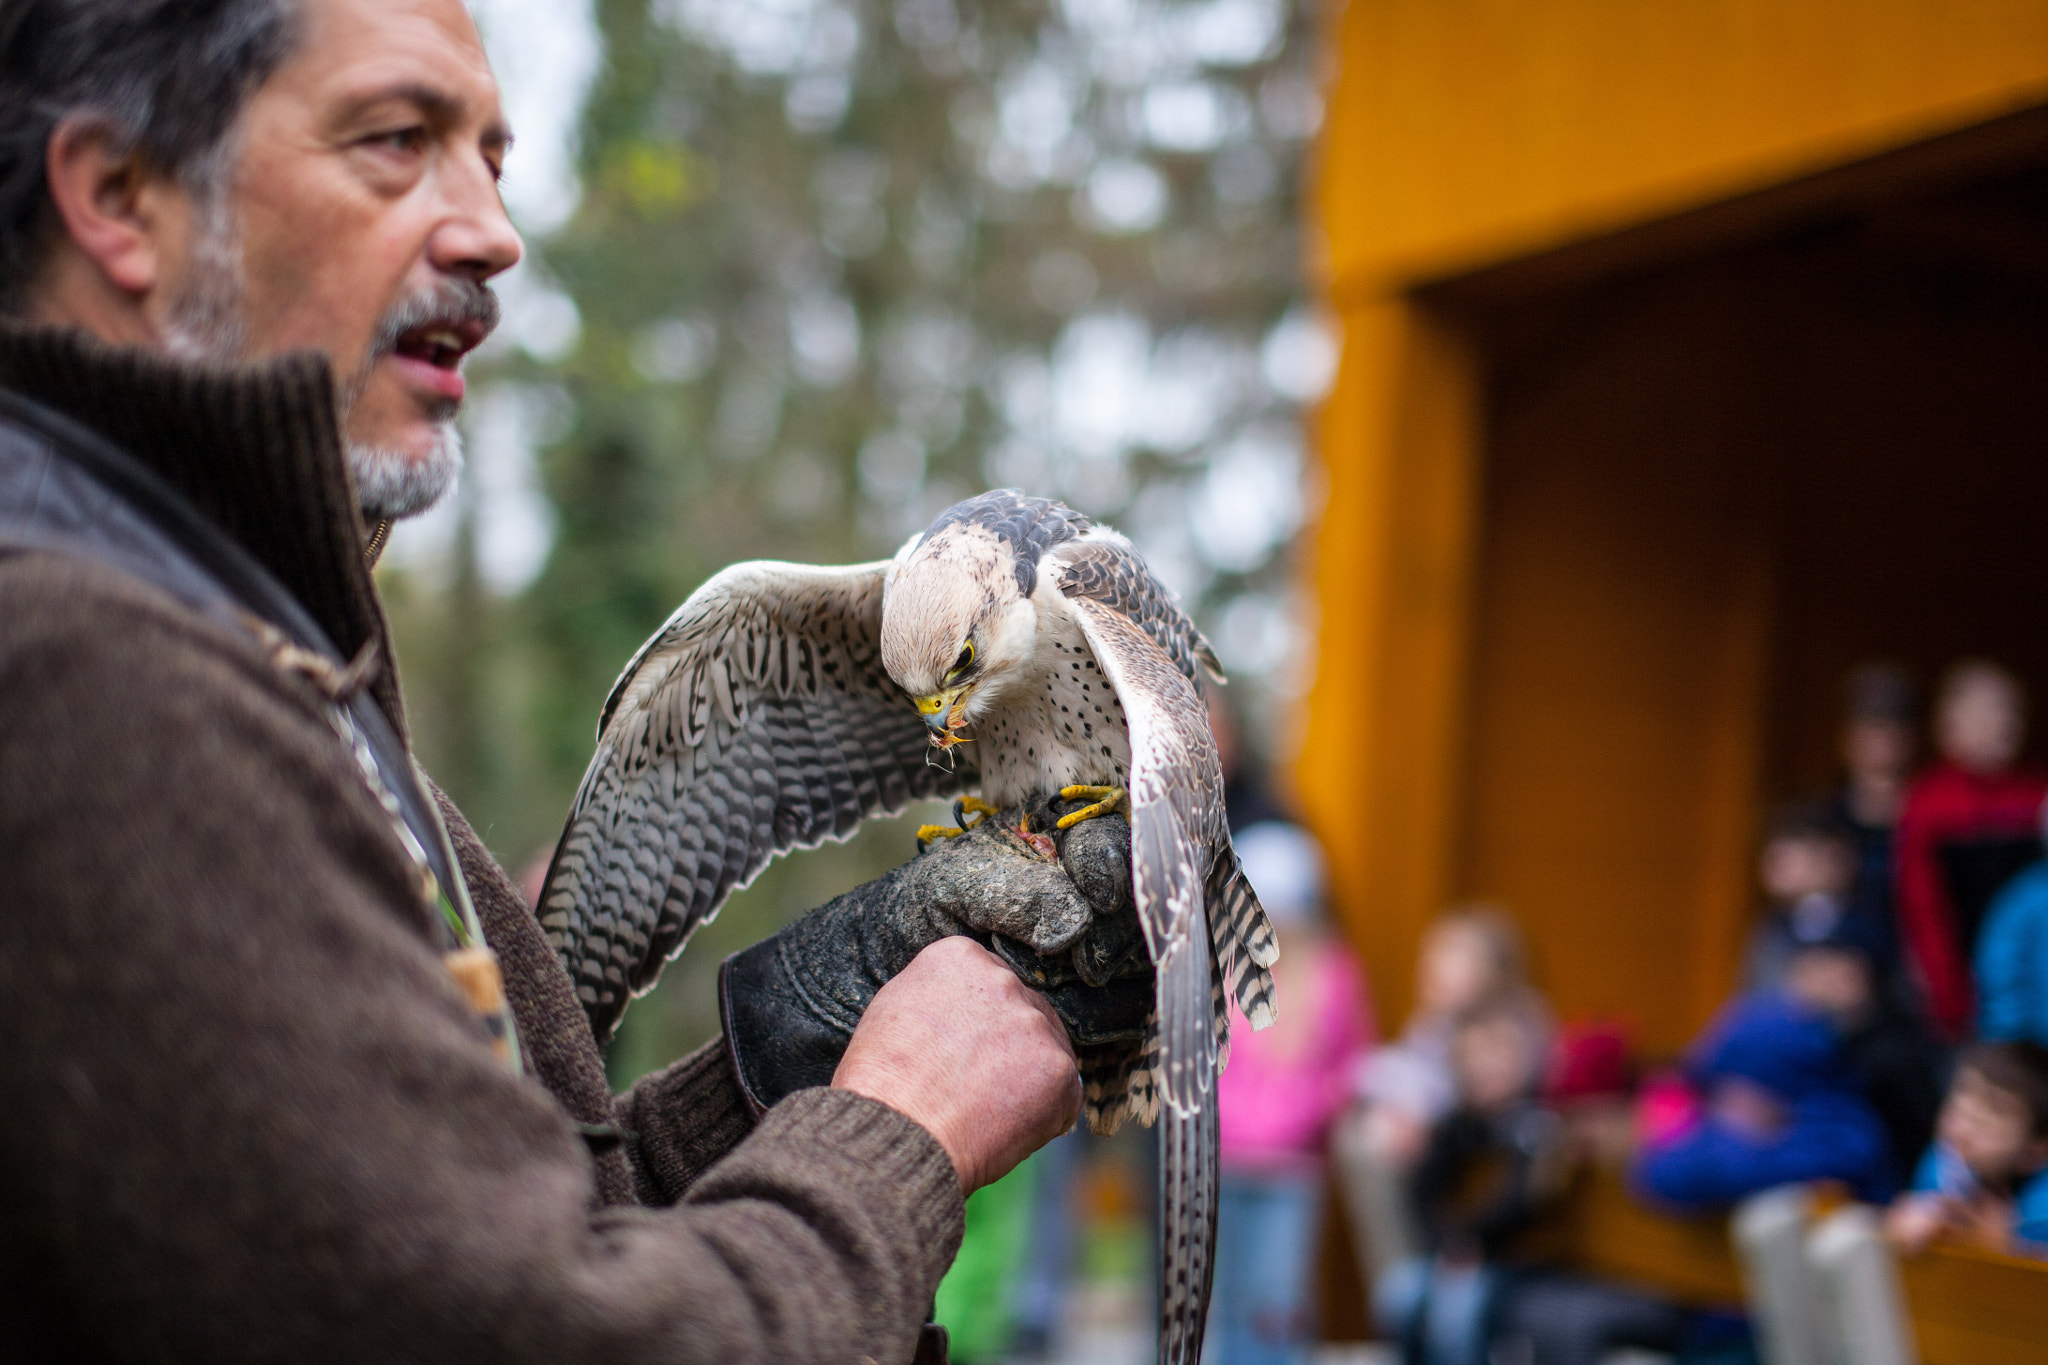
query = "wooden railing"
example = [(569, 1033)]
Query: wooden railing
[(1976, 1308), (1603, 1229), (1968, 1307)]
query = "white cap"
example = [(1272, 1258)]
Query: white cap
[(1284, 864)]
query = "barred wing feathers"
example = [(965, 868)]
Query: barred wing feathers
[(1122, 606), (758, 720), (1103, 567), (1202, 923)]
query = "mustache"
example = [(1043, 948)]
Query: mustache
[(446, 300)]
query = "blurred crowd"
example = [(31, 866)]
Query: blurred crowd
[(1878, 1083)]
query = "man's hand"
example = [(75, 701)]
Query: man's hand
[(960, 1046)]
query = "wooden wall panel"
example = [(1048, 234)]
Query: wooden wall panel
[(1917, 489), (1463, 133), (1377, 772), (1621, 645)]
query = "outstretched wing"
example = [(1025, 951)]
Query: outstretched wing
[(1201, 921), (758, 720)]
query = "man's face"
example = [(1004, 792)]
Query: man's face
[(366, 204)]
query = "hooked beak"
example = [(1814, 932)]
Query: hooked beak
[(943, 713)]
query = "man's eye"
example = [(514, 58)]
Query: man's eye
[(406, 140)]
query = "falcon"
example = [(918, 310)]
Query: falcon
[(1011, 652)]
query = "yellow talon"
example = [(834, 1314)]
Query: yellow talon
[(1106, 799), (927, 833), (971, 805)]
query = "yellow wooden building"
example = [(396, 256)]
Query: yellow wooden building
[(1694, 350)]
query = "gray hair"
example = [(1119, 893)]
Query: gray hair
[(166, 78)]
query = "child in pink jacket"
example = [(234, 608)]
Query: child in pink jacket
[(1280, 1093)]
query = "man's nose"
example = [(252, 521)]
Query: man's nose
[(477, 239)]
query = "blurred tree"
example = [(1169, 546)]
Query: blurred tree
[(825, 267)]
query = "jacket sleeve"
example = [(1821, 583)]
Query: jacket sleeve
[(1712, 1166), (2010, 974), (682, 1119), (1926, 919), (244, 1113), (2030, 1217)]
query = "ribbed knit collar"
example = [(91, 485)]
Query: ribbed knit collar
[(257, 449)]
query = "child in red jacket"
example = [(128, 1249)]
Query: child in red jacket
[(1970, 821)]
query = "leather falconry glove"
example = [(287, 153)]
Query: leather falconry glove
[(1066, 924)]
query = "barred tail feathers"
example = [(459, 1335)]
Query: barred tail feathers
[(1122, 1081), (1243, 938), (1188, 1173)]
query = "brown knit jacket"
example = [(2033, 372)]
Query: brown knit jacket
[(244, 1113)]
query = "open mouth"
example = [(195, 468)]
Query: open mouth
[(430, 356), (440, 343)]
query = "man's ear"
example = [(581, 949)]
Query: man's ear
[(110, 203)]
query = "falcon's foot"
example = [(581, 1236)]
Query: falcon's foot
[(1104, 800), (971, 805), (964, 807)]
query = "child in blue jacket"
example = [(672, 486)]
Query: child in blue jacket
[(1779, 1108), (1985, 1179)]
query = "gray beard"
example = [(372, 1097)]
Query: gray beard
[(205, 322), (391, 485)]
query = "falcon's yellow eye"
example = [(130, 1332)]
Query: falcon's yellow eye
[(960, 664)]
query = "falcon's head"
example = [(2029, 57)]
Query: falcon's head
[(958, 622)]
